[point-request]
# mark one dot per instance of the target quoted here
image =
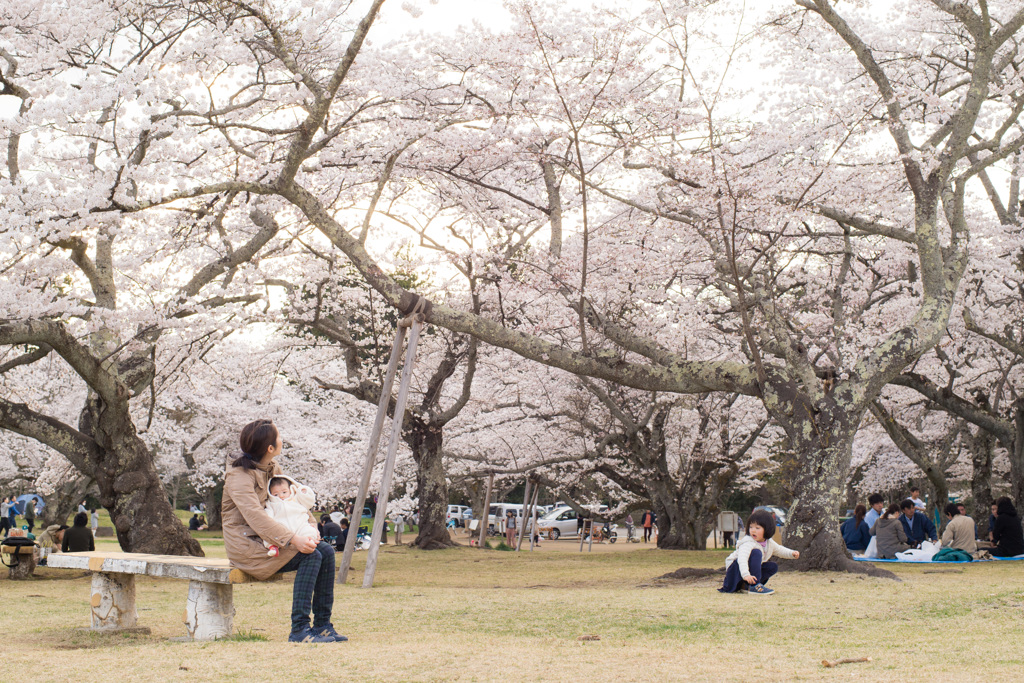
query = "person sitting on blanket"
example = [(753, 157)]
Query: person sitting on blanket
[(916, 524), (856, 532), (877, 506), (1007, 533), (748, 565), (891, 538), (959, 533)]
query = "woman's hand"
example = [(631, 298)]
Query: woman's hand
[(796, 554), (304, 545)]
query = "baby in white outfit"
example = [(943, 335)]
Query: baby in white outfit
[(289, 504)]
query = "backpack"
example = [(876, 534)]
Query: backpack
[(16, 542)]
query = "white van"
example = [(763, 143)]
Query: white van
[(497, 512)]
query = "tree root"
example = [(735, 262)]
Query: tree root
[(688, 573), (434, 544)]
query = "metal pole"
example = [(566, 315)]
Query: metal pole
[(583, 532), (487, 510), (389, 462), (522, 520), (371, 455), (590, 544)]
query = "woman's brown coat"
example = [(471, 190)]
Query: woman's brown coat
[(246, 524)]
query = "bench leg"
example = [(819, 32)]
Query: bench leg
[(113, 601), (209, 610)]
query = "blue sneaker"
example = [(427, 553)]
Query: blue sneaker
[(760, 589), (329, 632), (308, 635)]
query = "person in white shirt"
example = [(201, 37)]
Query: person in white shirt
[(915, 497)]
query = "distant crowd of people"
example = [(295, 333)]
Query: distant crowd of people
[(904, 526), (54, 537)]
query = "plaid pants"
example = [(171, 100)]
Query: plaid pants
[(314, 587)]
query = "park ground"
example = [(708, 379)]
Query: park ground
[(552, 615)]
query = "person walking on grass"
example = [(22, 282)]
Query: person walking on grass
[(749, 566), (647, 522), (5, 520), (30, 513), (94, 521), (247, 526)]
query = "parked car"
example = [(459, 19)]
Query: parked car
[(459, 513), (560, 522), (778, 513)]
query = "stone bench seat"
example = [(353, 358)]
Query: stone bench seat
[(209, 608)]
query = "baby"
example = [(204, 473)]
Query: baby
[(289, 504)]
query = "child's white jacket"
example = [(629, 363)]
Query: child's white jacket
[(294, 512), (747, 545)]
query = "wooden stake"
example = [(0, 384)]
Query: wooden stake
[(849, 660), (533, 509), (371, 455), (522, 520), (389, 462), (487, 510)]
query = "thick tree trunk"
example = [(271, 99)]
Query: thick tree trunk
[(432, 485), (823, 443), (1017, 455), (129, 487)]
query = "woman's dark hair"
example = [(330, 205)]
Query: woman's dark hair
[(952, 509), (1004, 506), (324, 518), (81, 519), (763, 519), (860, 512), (255, 439), (892, 510)]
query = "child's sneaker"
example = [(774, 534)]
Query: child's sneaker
[(760, 589)]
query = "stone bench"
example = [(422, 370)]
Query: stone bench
[(209, 608), (28, 556)]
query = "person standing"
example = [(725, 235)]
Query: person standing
[(12, 513), (247, 526), (30, 513), (94, 521), (399, 527), (5, 520), (647, 522), (510, 528), (82, 508)]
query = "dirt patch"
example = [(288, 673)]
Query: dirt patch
[(691, 574)]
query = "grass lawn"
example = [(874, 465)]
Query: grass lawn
[(471, 615)]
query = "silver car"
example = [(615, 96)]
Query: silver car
[(559, 522)]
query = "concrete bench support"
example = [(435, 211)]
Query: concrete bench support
[(113, 602), (27, 559), (209, 610), (209, 607)]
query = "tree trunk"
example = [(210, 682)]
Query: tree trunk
[(823, 441), (212, 497), (65, 499), (1017, 454), (982, 447), (432, 487), (129, 487)]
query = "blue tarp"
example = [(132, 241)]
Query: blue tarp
[(1005, 559), (21, 500)]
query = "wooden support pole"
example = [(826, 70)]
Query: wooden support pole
[(533, 509), (590, 544), (522, 520), (487, 510), (389, 462), (371, 455), (209, 610)]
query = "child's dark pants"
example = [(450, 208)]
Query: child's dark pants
[(762, 571)]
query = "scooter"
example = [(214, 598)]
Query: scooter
[(612, 532)]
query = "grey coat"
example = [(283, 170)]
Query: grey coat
[(891, 537)]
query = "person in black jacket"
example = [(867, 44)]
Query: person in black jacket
[(78, 539), (330, 531), (1007, 533)]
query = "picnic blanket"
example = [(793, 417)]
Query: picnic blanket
[(875, 559)]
